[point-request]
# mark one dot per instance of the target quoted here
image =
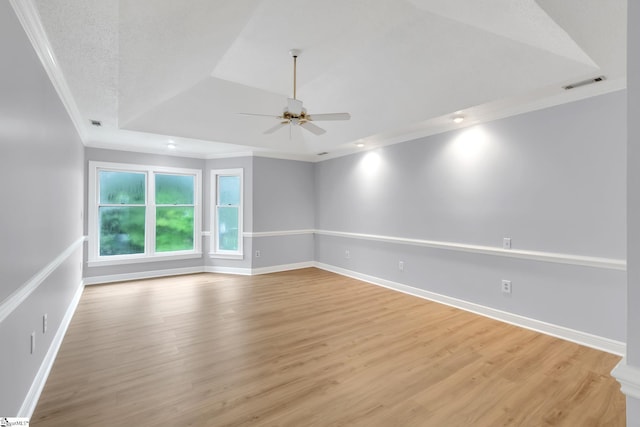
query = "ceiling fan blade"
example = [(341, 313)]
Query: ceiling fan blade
[(328, 116), (312, 128), (259, 115), (294, 106), (276, 127)]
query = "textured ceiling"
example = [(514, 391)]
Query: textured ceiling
[(165, 70)]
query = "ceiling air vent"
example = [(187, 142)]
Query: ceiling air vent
[(324, 153), (584, 83), (96, 123)]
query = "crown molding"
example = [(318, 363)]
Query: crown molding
[(29, 17)]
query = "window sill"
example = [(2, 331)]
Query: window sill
[(142, 259), (225, 256)]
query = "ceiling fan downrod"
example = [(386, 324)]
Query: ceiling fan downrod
[(294, 53)]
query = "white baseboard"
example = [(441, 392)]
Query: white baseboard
[(228, 270), (257, 271), (283, 267), (628, 377), (583, 338), (31, 400), (579, 337), (97, 280)]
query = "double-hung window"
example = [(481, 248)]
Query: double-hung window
[(227, 185), (143, 213)]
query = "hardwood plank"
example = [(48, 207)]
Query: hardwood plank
[(311, 348)]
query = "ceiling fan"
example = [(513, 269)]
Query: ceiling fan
[(295, 114)]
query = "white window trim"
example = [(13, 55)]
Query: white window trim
[(215, 252), (94, 258)]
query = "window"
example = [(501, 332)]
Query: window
[(143, 213), (175, 211), (227, 185)]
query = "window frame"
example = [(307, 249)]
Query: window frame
[(149, 254), (215, 251)]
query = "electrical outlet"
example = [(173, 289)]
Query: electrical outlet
[(506, 243), (44, 323), (401, 265), (257, 254), (347, 255), (506, 287), (33, 342)]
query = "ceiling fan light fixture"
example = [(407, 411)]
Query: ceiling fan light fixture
[(295, 114)]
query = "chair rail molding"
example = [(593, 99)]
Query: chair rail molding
[(586, 261), (18, 296)]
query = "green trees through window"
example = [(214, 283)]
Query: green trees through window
[(121, 212), (228, 212), (174, 212), (125, 203)]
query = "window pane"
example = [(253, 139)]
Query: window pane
[(228, 229), (229, 189), (174, 229), (122, 187), (174, 189), (121, 230)]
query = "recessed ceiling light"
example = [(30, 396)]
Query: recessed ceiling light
[(171, 145), (458, 119), (359, 144)]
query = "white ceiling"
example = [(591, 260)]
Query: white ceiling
[(168, 70)]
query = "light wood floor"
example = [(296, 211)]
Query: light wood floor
[(311, 348)]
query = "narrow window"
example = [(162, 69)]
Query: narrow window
[(227, 213)]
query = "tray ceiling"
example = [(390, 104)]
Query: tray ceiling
[(181, 71)]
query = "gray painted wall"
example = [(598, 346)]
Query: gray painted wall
[(41, 167), (283, 201), (283, 195), (283, 250), (553, 180), (633, 182), (633, 201)]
